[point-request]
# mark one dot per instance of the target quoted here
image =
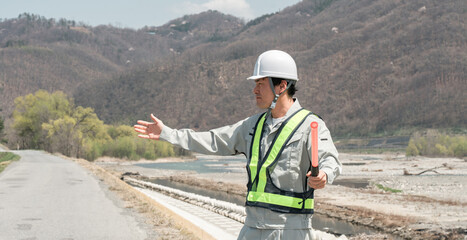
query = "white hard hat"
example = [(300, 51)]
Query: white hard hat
[(275, 63)]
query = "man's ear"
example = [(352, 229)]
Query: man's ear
[(283, 85)]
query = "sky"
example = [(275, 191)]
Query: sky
[(137, 13)]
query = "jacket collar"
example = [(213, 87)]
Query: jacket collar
[(294, 108)]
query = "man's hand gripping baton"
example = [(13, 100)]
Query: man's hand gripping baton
[(314, 149)]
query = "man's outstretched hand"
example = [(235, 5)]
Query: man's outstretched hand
[(149, 130)]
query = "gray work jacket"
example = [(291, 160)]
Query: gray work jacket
[(290, 172)]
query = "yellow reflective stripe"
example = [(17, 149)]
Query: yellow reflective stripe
[(255, 148), (280, 141), (280, 200)]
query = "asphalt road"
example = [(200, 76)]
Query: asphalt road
[(48, 197)]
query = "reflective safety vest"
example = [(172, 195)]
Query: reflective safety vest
[(261, 190)]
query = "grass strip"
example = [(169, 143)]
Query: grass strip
[(387, 189), (6, 158)]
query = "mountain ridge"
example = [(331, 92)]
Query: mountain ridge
[(365, 66)]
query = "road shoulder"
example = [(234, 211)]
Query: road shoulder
[(155, 220)]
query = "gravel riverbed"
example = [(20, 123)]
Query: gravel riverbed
[(410, 198)]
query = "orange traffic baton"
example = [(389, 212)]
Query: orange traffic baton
[(314, 149)]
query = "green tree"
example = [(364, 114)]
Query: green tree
[(51, 122), (61, 134), (32, 110), (70, 134)]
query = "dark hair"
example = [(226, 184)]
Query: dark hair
[(291, 91)]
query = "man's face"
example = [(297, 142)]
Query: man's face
[(263, 93)]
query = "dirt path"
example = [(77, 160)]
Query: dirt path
[(414, 198)]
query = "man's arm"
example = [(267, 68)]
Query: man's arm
[(228, 140)]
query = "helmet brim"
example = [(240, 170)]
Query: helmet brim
[(256, 77), (259, 77)]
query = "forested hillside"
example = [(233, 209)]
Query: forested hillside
[(40, 53), (367, 66)]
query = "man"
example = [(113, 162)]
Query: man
[(277, 144)]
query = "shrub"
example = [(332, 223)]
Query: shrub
[(459, 149), (435, 143), (93, 149), (123, 147), (412, 149), (134, 148)]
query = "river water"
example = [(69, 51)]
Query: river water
[(216, 164)]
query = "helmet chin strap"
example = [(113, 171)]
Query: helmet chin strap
[(276, 96)]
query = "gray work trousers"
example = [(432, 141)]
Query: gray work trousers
[(249, 233)]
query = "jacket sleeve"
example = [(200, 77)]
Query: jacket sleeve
[(227, 140)]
